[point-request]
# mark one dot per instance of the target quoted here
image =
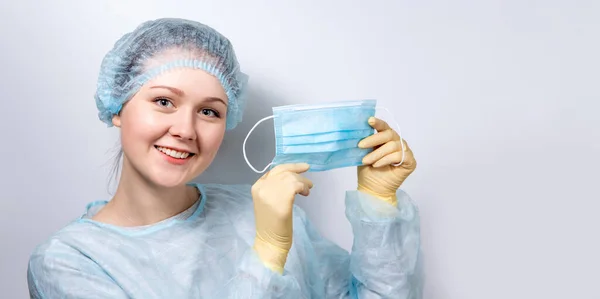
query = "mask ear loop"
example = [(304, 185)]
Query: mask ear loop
[(244, 146), (399, 134)]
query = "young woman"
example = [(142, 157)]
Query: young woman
[(173, 87)]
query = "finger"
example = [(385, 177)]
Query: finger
[(384, 150), (389, 159), (396, 157), (409, 159), (378, 124), (378, 138), (293, 167), (308, 183), (302, 189), (294, 177), (300, 184)]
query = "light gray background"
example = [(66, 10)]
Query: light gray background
[(498, 99)]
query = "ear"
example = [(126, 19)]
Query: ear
[(116, 120)]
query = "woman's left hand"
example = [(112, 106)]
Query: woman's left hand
[(378, 176)]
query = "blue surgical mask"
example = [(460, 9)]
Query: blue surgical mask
[(325, 136)]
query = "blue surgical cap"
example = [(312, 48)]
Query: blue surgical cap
[(165, 44)]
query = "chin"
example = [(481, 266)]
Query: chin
[(171, 178), (169, 182)]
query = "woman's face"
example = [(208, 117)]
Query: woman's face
[(173, 127)]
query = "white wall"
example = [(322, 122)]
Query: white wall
[(498, 99)]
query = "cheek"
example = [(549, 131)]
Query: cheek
[(211, 139), (139, 126)]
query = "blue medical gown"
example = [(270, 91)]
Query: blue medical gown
[(206, 252)]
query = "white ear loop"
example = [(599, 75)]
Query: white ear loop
[(399, 134), (244, 146)]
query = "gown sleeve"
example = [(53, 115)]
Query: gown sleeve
[(385, 261)]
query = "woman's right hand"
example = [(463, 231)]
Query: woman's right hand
[(273, 195)]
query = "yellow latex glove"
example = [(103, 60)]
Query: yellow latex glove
[(378, 176), (273, 196)]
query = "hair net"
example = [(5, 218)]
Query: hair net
[(161, 45)]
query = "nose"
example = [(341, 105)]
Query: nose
[(183, 128)]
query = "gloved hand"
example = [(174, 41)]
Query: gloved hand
[(273, 195), (378, 177)]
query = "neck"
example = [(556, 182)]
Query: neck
[(138, 201)]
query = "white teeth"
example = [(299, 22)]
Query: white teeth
[(173, 153)]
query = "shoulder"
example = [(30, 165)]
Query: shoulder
[(57, 254), (62, 267), (60, 243)]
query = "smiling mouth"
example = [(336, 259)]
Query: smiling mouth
[(173, 153)]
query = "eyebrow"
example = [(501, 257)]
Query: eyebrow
[(180, 93), (214, 99), (174, 90)]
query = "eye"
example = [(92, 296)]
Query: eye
[(164, 102), (210, 112)]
